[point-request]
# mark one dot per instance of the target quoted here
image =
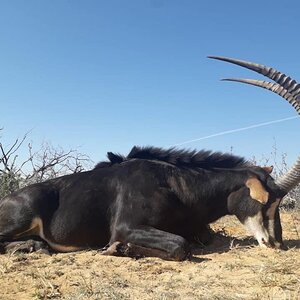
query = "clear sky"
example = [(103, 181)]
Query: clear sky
[(102, 76)]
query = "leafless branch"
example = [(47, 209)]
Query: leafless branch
[(46, 163)]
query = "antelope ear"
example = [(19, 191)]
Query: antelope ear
[(268, 169), (257, 191)]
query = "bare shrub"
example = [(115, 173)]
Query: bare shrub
[(45, 163)]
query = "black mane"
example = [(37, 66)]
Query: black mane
[(183, 158)]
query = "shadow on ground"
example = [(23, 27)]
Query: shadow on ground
[(292, 244), (223, 243)]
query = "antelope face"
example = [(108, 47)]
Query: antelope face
[(256, 205), (265, 224)]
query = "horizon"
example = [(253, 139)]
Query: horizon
[(105, 76)]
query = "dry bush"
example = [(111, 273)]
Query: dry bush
[(45, 163)]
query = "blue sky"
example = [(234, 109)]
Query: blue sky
[(102, 76)]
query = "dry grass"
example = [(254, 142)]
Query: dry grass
[(232, 268)]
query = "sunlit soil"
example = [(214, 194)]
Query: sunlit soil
[(233, 267)]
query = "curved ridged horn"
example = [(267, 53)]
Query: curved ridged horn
[(287, 88), (283, 80), (273, 87)]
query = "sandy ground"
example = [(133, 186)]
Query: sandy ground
[(231, 268)]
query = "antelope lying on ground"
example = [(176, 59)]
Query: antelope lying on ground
[(154, 202)]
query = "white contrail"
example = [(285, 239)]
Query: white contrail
[(235, 130)]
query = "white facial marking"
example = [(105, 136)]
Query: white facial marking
[(272, 209), (255, 226), (271, 228)]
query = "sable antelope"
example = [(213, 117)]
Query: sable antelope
[(153, 202)]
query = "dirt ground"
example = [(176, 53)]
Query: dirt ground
[(233, 267)]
